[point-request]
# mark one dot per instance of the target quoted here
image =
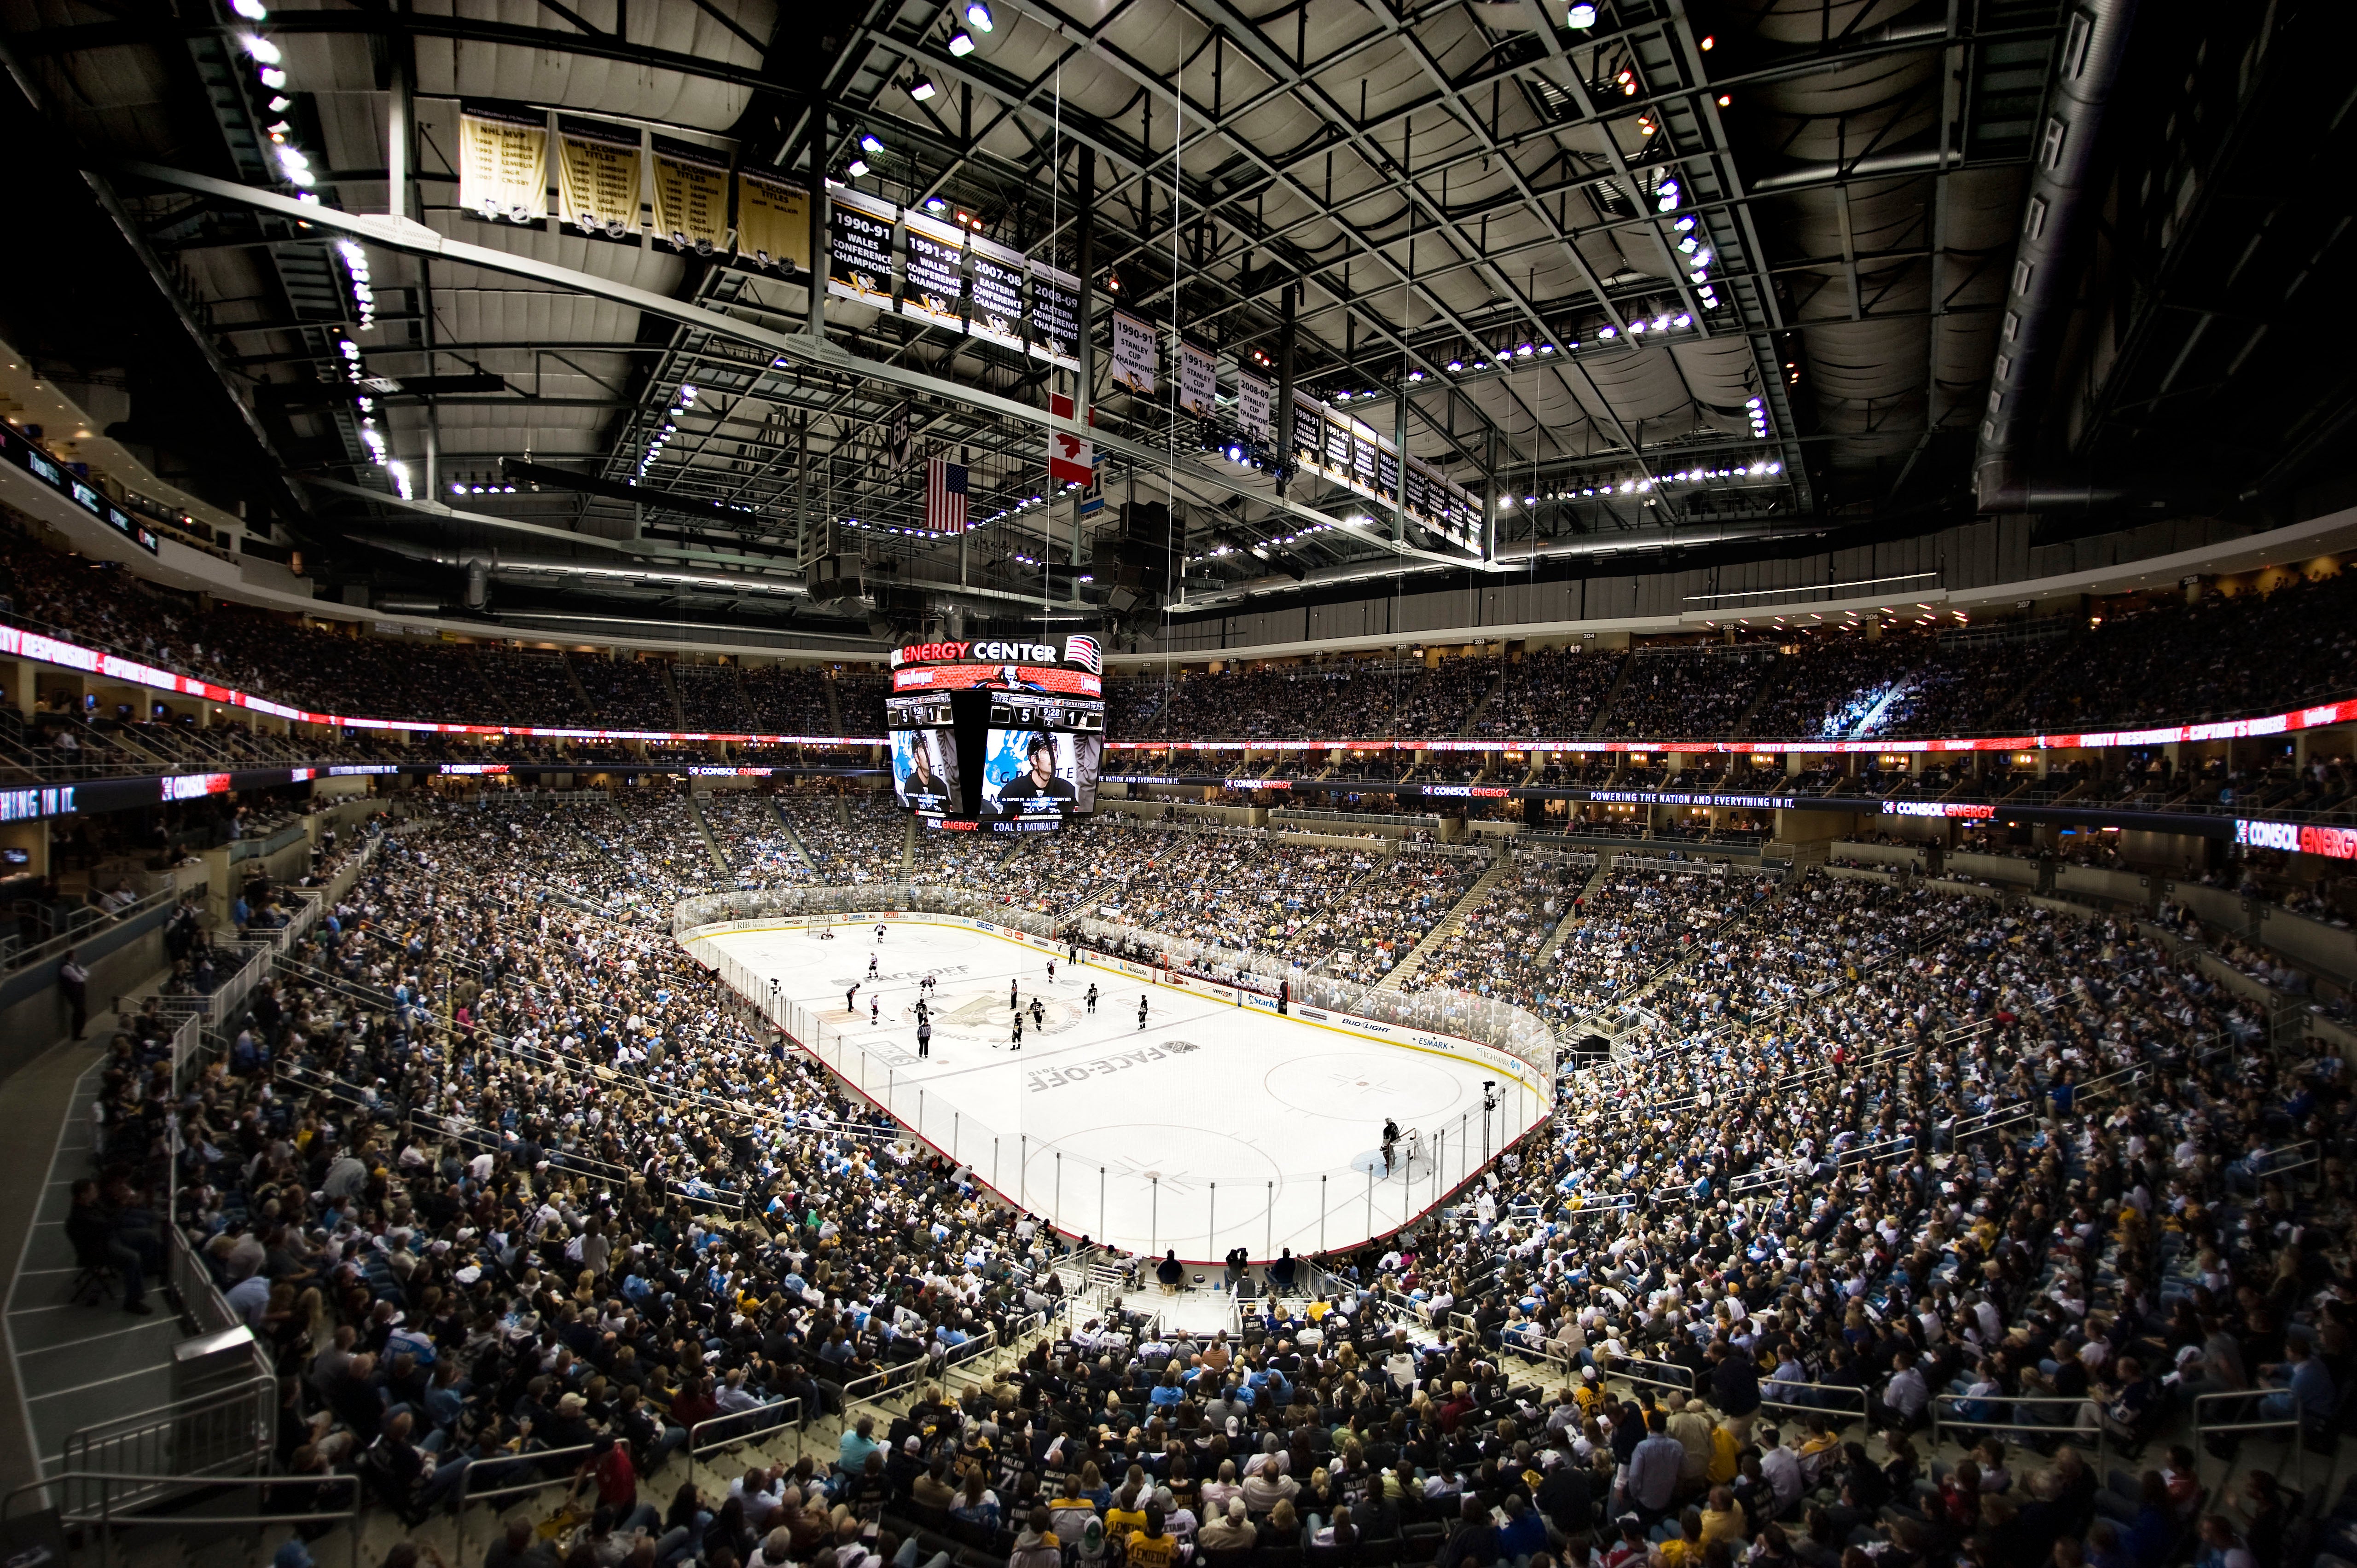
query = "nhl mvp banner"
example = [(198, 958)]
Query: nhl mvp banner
[(1198, 381), (1134, 354), (772, 224), (598, 177), (503, 162), (859, 246), (691, 196)]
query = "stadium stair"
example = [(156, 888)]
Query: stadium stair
[(670, 690), (1447, 925), (580, 691), (833, 708), (908, 849), (1612, 698), (1570, 921), (710, 845), (786, 826), (1497, 685)]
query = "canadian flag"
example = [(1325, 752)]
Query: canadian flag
[(1071, 460)]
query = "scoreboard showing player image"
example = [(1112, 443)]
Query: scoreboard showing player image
[(1006, 736), (1043, 754), (924, 752)]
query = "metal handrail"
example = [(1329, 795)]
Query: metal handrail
[(466, 1493), (771, 1412), (1944, 1408), (2296, 1421), (108, 1521)]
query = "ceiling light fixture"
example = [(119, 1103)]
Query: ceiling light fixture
[(978, 16), (961, 43), (921, 88), (856, 167), (869, 143), (1581, 16)]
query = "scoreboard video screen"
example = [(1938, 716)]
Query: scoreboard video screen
[(995, 736)]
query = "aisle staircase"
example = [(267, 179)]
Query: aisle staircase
[(786, 826), (1571, 916), (1404, 971), (710, 845)]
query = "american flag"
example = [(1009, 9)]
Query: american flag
[(944, 496)]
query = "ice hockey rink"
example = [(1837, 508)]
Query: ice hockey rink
[(1215, 1126)]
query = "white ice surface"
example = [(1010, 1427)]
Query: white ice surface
[(1286, 1116)]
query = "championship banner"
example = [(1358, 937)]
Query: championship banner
[(503, 163), (1417, 500), (1055, 317), (1335, 459), (1309, 431), (1134, 355), (598, 177), (1251, 406), (691, 196), (1362, 458), (859, 245), (1198, 381), (772, 224), (935, 291), (1387, 473), (995, 294)]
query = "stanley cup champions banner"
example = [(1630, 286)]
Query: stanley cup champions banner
[(772, 224), (503, 162), (598, 177), (1198, 381), (691, 196), (1134, 354), (1251, 407)]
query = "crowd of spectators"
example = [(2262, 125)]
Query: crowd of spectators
[(710, 700), (753, 838), (789, 699), (1834, 683), (509, 1187), (1701, 691), (1552, 693)]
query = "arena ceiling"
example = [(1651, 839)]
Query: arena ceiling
[(1768, 241)]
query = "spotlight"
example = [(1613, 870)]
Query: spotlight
[(1581, 16), (869, 143), (1455, 364), (921, 88), (935, 204), (978, 16), (856, 167)]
